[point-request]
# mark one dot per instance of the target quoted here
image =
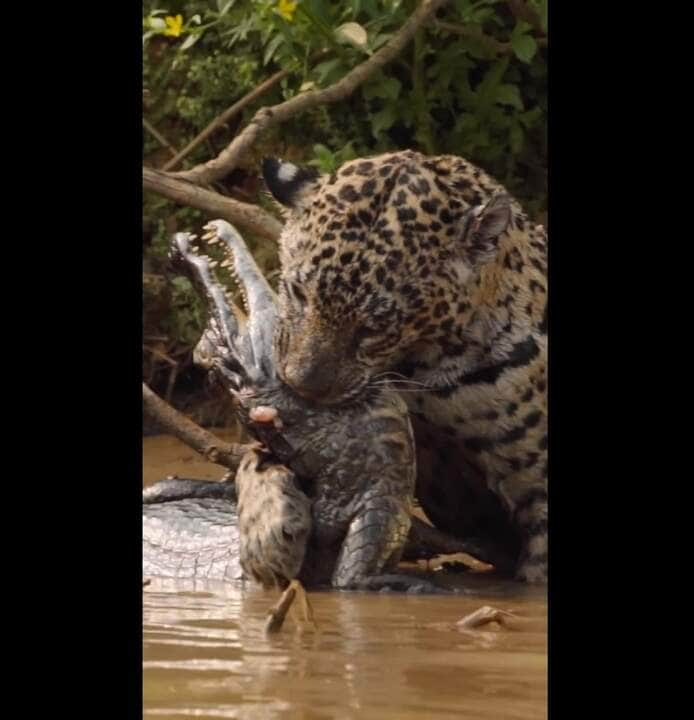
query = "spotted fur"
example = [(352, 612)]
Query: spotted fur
[(428, 267)]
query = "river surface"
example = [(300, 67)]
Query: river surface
[(205, 654)]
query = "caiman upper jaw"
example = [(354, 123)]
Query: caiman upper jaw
[(223, 342)]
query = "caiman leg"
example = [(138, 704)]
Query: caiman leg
[(373, 547), (278, 612)]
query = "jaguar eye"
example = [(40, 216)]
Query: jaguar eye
[(364, 334), (281, 340), (295, 292)]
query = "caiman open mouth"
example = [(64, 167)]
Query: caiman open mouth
[(236, 345)]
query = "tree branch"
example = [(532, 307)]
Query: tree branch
[(492, 43), (225, 117), (208, 445), (250, 217), (266, 117), (158, 136)]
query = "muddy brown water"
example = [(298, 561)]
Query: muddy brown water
[(205, 654)]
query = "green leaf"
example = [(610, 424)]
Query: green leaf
[(325, 160), (509, 95), (328, 70), (271, 48), (516, 138), (320, 149), (181, 284), (524, 47), (531, 117), (383, 87), (477, 48), (466, 123), (378, 40), (481, 15), (479, 139), (346, 153), (486, 90), (384, 119), (223, 6), (521, 28), (467, 9), (190, 40)]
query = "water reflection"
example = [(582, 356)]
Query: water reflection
[(385, 656)]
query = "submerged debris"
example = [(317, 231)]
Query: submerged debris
[(484, 616)]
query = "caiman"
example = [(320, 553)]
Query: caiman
[(332, 487), (354, 464)]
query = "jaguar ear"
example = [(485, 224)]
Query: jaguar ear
[(288, 183), (485, 226)]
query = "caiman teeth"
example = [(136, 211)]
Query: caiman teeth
[(226, 263), (213, 263)]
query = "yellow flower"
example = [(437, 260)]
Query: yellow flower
[(174, 25), (286, 9)]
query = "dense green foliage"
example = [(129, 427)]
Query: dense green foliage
[(473, 83)]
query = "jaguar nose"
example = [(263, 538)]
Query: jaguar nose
[(315, 383)]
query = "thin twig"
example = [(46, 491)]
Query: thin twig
[(160, 354), (494, 45), (427, 541), (267, 117), (158, 136), (225, 117), (208, 445), (245, 215), (173, 374)]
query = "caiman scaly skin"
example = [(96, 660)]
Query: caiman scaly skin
[(190, 531), (353, 464)]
